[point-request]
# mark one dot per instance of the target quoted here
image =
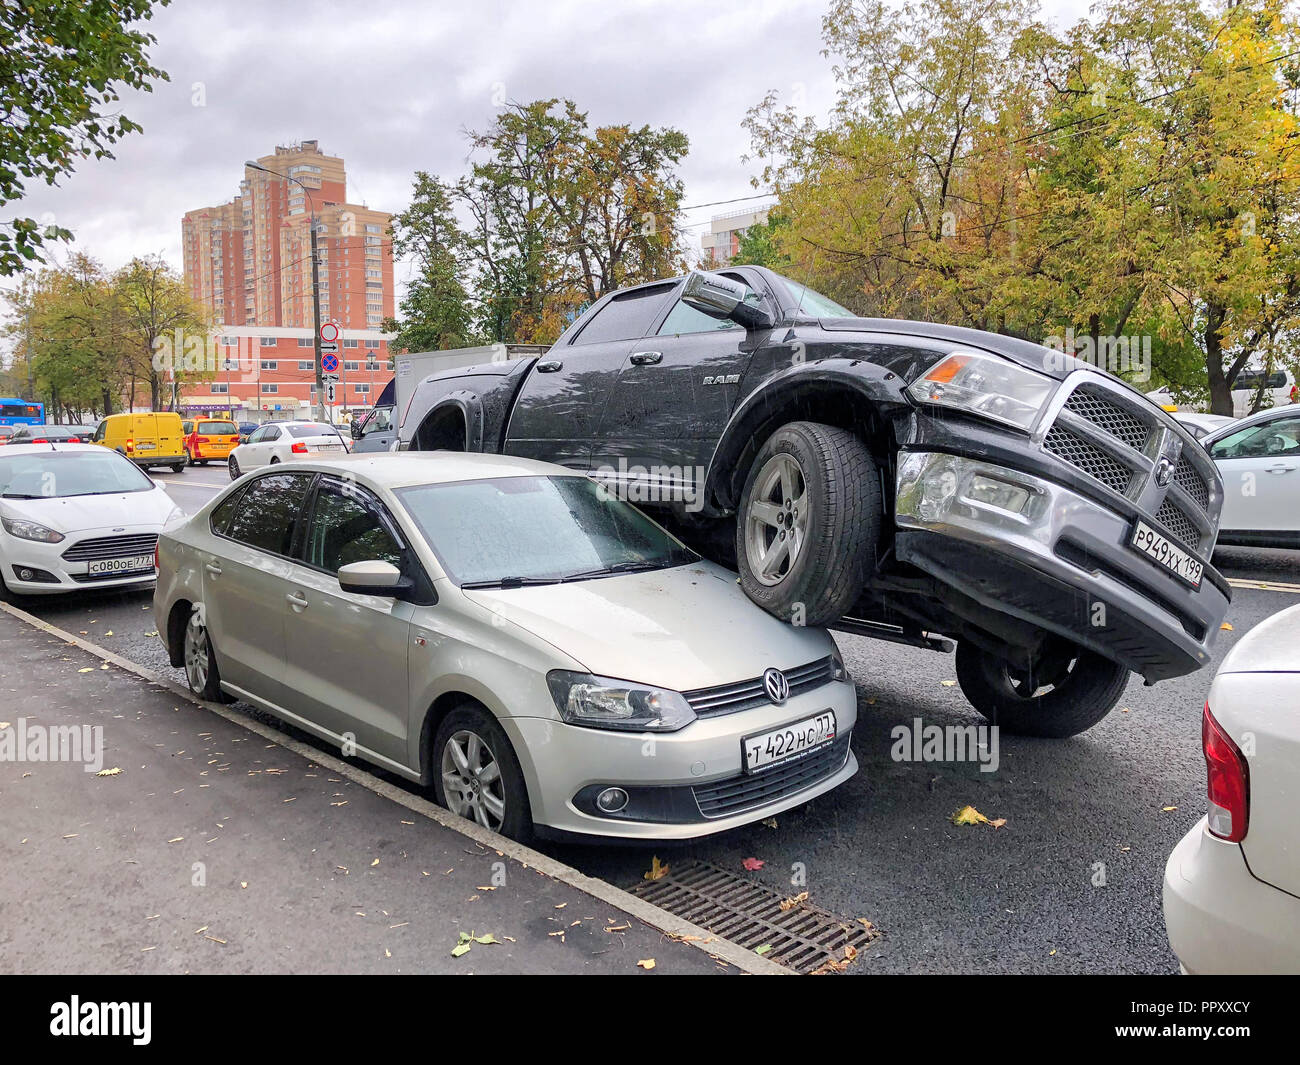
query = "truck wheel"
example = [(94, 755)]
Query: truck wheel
[(808, 523), (1067, 693)]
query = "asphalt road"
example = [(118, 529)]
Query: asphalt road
[(1070, 883)]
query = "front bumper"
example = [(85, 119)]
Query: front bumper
[(675, 777), (1220, 919), (55, 575), (1063, 564)]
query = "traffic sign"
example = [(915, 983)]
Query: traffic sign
[(329, 332), (329, 392), (330, 346), (329, 363), (330, 376)]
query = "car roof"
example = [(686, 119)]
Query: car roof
[(1287, 409), (404, 469)]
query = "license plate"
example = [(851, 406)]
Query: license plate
[(121, 565), (1161, 550), (329, 447), (788, 742), (145, 447)]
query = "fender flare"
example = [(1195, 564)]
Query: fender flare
[(874, 387), (470, 406)]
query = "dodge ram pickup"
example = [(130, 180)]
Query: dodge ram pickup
[(915, 482)]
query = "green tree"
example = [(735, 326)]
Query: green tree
[(63, 67), (156, 307)]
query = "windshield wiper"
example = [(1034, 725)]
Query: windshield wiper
[(20, 495), (514, 582), (617, 567)]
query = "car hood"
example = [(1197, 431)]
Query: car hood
[(682, 628), (85, 513)]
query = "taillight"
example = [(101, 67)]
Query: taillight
[(1228, 781), (299, 448), (130, 445), (40, 440)]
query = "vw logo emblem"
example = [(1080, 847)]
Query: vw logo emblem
[(776, 686), (1164, 472)]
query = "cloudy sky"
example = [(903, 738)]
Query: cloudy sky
[(391, 86)]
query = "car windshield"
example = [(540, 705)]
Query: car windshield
[(536, 529), (218, 428), (1278, 436), (57, 474), (314, 429), (815, 304)]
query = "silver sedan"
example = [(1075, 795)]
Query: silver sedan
[(510, 633)]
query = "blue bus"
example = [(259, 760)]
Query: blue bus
[(14, 411)]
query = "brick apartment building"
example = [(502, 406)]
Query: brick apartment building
[(722, 241), (249, 262)]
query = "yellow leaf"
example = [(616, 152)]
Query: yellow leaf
[(109, 772), (646, 963), (1226, 627), (999, 822), (88, 669), (1169, 809), (968, 815), (658, 870), (947, 683)]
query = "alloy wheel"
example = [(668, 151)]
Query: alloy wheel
[(471, 780), (196, 654), (776, 523)]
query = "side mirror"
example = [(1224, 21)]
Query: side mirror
[(721, 297), (373, 578)]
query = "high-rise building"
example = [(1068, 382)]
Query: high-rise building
[(249, 261), (722, 241)]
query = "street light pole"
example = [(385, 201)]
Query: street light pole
[(315, 287)]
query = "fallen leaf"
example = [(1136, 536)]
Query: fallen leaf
[(947, 683), (1226, 627), (968, 815), (763, 949), (88, 669), (753, 864), (374, 863), (115, 771), (999, 822), (1169, 809), (646, 963), (770, 822), (790, 904), (658, 870), (459, 949), (109, 632)]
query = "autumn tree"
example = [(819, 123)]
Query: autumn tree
[(156, 307)]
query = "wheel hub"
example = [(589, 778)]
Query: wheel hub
[(776, 522)]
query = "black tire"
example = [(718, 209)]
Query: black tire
[(178, 467), (200, 661), (836, 546), (189, 459), (517, 819), (1083, 687), (233, 466)]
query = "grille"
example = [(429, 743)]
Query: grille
[(111, 547), (1088, 458), (736, 794), (747, 694), (1175, 519), (790, 932), (1191, 482), (91, 578), (1090, 404)]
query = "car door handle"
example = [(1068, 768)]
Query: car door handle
[(1281, 467), (213, 568), (297, 600), (646, 358), (550, 366)]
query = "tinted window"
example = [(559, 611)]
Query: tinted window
[(218, 428), (314, 429), (539, 527), (625, 317), (221, 515), (686, 319), (347, 528), (270, 432), (1278, 436), (267, 511)]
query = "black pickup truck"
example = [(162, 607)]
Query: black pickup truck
[(914, 482)]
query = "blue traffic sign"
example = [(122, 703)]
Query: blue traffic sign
[(329, 363)]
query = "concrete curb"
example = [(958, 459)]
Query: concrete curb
[(745, 960)]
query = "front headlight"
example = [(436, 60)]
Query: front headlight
[(29, 530), (602, 702), (987, 386)]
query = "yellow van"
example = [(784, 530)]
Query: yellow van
[(146, 439)]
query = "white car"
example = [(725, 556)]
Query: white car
[(1279, 391), (1202, 425), (76, 516), (512, 633), (277, 442), (1232, 885), (1259, 461)]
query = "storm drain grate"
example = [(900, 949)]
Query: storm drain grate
[(803, 937)]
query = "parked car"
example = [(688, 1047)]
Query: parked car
[(1259, 460), (210, 440), (277, 442), (6, 432), (246, 429), (1201, 425), (1232, 885), (1279, 390), (148, 440), (903, 480), (75, 516), (512, 634), (49, 434)]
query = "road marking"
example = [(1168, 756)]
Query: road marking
[(1264, 586), (192, 484), (657, 918)]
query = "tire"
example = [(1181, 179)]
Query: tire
[(1083, 687), (201, 671), (233, 466), (463, 725), (189, 459), (178, 467), (834, 534)]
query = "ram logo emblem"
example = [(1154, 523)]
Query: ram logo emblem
[(723, 379)]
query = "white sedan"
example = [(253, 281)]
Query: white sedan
[(1232, 885), (1259, 460), (77, 516), (1202, 425), (277, 442)]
